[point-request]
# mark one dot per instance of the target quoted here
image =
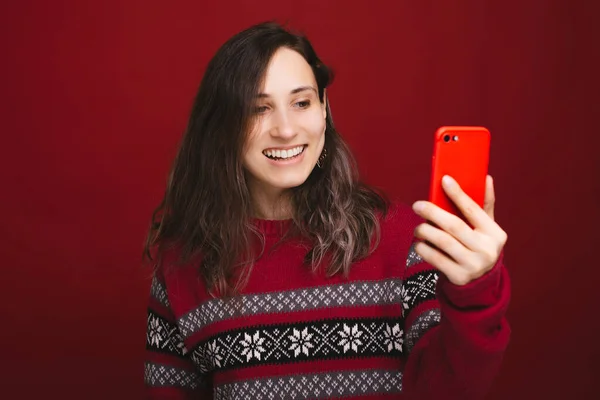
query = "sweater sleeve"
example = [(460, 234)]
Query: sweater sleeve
[(169, 372), (454, 336)]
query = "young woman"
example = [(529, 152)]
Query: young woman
[(279, 275)]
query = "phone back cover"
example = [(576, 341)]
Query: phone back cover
[(466, 160)]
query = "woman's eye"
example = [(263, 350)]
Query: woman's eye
[(261, 109), (303, 104)]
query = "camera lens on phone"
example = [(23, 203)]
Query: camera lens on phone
[(446, 138)]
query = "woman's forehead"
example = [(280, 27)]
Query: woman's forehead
[(287, 71)]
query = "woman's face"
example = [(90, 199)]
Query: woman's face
[(288, 134)]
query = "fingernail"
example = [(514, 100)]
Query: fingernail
[(447, 181), (418, 206)]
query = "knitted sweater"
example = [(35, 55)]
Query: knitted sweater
[(396, 328)]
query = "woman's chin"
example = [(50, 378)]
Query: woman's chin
[(289, 181)]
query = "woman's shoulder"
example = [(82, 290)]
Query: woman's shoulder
[(180, 279), (397, 230), (396, 233), (400, 216), (172, 259)]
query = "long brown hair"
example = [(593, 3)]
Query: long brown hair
[(206, 209)]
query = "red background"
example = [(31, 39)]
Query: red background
[(95, 95)]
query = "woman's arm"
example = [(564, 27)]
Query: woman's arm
[(169, 371)]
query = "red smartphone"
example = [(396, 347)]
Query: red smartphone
[(463, 153)]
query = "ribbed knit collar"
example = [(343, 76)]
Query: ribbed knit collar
[(272, 227)]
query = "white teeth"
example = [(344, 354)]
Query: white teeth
[(283, 154)]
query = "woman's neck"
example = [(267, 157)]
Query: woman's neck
[(273, 205)]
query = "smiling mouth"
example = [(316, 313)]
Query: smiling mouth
[(284, 154)]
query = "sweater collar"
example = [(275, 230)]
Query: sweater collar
[(272, 227)]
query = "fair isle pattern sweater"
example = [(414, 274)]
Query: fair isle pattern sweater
[(395, 328)]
